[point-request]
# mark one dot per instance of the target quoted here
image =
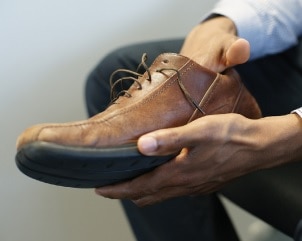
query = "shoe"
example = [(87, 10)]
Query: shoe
[(102, 150)]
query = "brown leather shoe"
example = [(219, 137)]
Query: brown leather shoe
[(173, 91)]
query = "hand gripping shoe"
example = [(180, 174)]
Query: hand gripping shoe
[(102, 150)]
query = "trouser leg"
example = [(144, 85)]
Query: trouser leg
[(185, 218), (179, 219)]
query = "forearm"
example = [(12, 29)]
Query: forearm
[(279, 140)]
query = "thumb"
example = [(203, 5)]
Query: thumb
[(238, 52), (161, 142)]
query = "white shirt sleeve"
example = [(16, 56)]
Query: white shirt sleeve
[(298, 111), (270, 26)]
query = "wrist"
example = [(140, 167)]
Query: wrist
[(279, 140)]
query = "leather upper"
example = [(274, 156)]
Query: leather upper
[(165, 100)]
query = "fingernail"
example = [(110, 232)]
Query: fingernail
[(147, 144)]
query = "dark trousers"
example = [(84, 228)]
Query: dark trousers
[(275, 81)]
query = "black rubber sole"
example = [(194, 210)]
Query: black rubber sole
[(84, 167)]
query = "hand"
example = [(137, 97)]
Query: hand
[(214, 45), (213, 151)]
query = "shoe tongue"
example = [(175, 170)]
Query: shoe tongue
[(169, 60), (164, 66)]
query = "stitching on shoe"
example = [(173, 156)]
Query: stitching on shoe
[(185, 71), (152, 96), (240, 93), (210, 91), (207, 96)]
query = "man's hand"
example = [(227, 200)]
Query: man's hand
[(214, 44), (213, 150)]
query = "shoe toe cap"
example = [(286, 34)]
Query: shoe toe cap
[(30, 135)]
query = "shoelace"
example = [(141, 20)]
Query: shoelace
[(136, 75), (134, 78)]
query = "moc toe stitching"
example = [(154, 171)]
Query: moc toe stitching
[(239, 95), (210, 91)]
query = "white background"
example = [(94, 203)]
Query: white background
[(47, 49)]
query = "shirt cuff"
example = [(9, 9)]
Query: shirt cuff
[(298, 112)]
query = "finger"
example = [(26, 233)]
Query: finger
[(165, 141), (173, 140), (133, 189), (179, 191), (163, 195), (234, 51), (117, 191), (237, 53), (146, 184)]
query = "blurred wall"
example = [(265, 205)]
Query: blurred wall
[(47, 48)]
